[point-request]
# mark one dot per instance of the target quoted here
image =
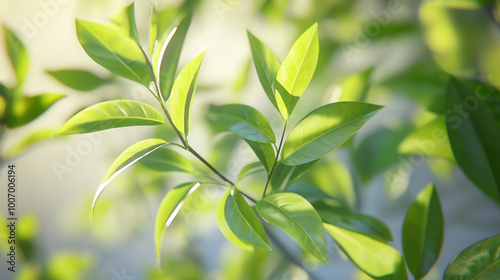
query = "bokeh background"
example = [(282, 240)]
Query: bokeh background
[(401, 50)]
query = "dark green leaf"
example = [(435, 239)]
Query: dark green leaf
[(285, 175), (182, 94), (296, 217), (112, 114), (372, 256), (17, 55), (264, 152), (224, 227), (168, 210), (114, 51), (244, 121), (25, 109), (78, 79), (296, 71), (165, 160), (474, 137), (480, 261), (125, 22), (423, 232), (324, 129), (243, 221)]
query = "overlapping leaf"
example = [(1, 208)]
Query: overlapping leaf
[(125, 22), (224, 227), (167, 160), (284, 175), (264, 152)]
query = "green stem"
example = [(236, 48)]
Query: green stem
[(275, 160)]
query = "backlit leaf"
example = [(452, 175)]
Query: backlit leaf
[(17, 55), (26, 109), (284, 175), (167, 160), (264, 152), (224, 227), (125, 22), (78, 79)]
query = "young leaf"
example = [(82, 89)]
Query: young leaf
[(474, 137), (168, 210), (375, 258), (264, 152), (17, 55), (182, 94), (78, 79), (296, 217), (127, 158), (296, 71), (243, 221), (284, 175), (125, 22), (224, 227), (171, 51), (112, 114), (244, 121), (267, 66), (480, 261), (324, 129), (25, 109), (423, 232), (114, 51), (167, 160)]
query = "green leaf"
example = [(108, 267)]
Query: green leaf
[(167, 160), (430, 139), (168, 210), (127, 158), (374, 257), (465, 4), (17, 55), (125, 22), (241, 80), (112, 114), (284, 175), (474, 137), (296, 217), (29, 141), (480, 261), (78, 79), (324, 129), (310, 192), (264, 152), (224, 227), (267, 66), (355, 222), (243, 221), (244, 121), (170, 53), (26, 109), (250, 169), (423, 232), (114, 51), (296, 71), (182, 94), (356, 86)]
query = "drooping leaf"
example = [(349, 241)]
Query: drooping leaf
[(284, 175), (182, 94), (267, 66), (474, 137), (167, 160), (250, 169), (480, 261), (29, 141), (296, 217), (296, 71), (374, 257), (168, 210), (127, 158), (356, 86), (243, 221), (423, 232), (224, 227), (324, 129), (244, 121), (114, 51), (78, 79), (264, 152), (125, 22), (112, 114), (465, 4), (170, 53), (25, 109), (17, 55)]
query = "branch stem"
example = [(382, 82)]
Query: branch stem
[(275, 160)]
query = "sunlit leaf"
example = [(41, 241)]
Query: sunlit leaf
[(355, 87), (264, 152), (374, 257), (182, 94), (78, 79), (224, 227), (267, 66), (69, 265), (167, 160), (243, 221), (17, 55), (474, 137), (423, 232), (169, 56), (114, 51), (324, 129), (250, 169), (244, 121), (112, 114), (127, 158), (29, 141), (168, 210), (284, 175), (296, 71), (25, 109), (480, 261), (296, 217), (125, 22)]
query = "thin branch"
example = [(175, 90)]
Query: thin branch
[(275, 161)]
